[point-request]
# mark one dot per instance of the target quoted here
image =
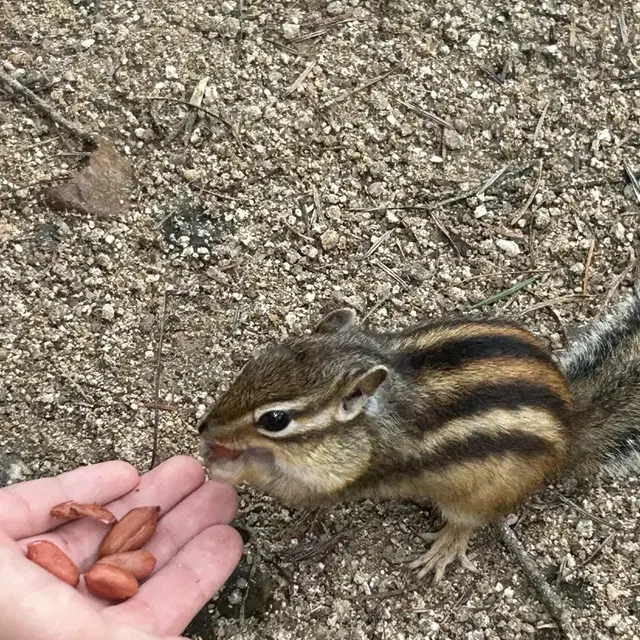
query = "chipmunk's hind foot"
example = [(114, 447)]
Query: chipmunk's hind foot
[(449, 543)]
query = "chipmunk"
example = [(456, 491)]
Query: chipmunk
[(474, 415)]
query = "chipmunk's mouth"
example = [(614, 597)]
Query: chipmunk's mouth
[(230, 463), (217, 451)]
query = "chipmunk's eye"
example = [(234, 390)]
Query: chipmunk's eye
[(274, 420)]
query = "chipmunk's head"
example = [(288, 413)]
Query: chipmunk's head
[(294, 421)]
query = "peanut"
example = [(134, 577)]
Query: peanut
[(110, 583), (141, 562), (133, 531), (50, 557)]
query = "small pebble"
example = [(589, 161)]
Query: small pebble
[(335, 8), (290, 30), (452, 139), (585, 528), (376, 189), (509, 247), (474, 41), (329, 239), (108, 312), (229, 28)]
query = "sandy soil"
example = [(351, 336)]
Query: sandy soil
[(407, 158)]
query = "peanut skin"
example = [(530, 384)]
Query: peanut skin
[(133, 531), (50, 557), (75, 510), (110, 583), (141, 562)]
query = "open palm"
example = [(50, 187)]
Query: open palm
[(195, 548)]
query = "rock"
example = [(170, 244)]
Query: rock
[(329, 239), (474, 41), (108, 313), (335, 8), (12, 469), (452, 139), (254, 587), (619, 231), (376, 189), (613, 593), (509, 247), (290, 30), (291, 319), (541, 219), (604, 135), (101, 189), (480, 211), (170, 72), (613, 621), (230, 28), (585, 528)]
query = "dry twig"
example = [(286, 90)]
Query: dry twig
[(391, 273), (549, 303), (591, 558), (551, 600), (362, 87), (618, 280), (587, 267), (46, 109), (584, 512), (316, 549), (532, 195), (538, 132), (378, 242), (635, 185), (198, 107), (444, 231), (301, 78), (425, 114), (493, 179), (156, 395)]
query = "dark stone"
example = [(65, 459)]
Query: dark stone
[(255, 590)]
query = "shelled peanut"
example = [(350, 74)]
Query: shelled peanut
[(122, 562)]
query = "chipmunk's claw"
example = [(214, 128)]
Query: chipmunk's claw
[(448, 544)]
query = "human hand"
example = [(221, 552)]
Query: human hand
[(195, 548)]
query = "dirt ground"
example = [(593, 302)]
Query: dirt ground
[(408, 158)]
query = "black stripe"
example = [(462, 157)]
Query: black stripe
[(456, 353), (473, 401), (474, 448), (485, 397), (481, 446)]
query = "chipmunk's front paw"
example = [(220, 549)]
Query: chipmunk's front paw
[(449, 543)]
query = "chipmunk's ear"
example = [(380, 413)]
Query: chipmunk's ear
[(360, 392), (338, 320)]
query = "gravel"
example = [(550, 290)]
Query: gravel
[(365, 153)]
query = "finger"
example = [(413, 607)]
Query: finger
[(24, 507), (168, 601), (165, 486), (211, 504)]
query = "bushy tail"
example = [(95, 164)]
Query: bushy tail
[(603, 370)]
